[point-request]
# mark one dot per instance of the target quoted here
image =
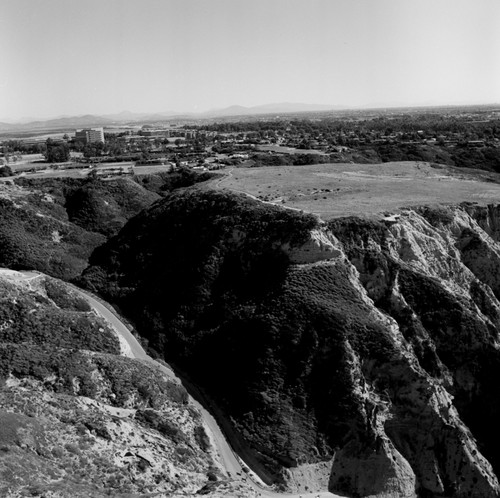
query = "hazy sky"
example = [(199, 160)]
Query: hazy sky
[(104, 56)]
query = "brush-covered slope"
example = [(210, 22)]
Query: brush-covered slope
[(54, 225), (180, 177), (357, 356), (101, 206), (40, 310), (77, 419), (35, 234)]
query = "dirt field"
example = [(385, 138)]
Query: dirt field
[(288, 150), (82, 170), (334, 190), (152, 169)]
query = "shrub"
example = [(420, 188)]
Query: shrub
[(65, 298)]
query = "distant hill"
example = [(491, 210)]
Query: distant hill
[(282, 108), (127, 116), (89, 120)]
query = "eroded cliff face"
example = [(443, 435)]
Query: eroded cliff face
[(367, 359), (321, 245), (435, 272), (414, 440)]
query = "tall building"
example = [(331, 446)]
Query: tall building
[(89, 135)]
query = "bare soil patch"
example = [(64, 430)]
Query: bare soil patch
[(336, 190)]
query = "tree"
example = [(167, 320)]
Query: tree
[(5, 171), (56, 152), (93, 150), (40, 149)]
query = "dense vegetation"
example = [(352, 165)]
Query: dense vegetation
[(63, 297), (463, 137), (5, 170), (77, 419), (53, 225), (35, 234), (60, 434), (163, 183), (471, 123), (295, 356), (28, 317), (221, 233), (92, 204), (123, 382), (289, 159), (205, 278), (56, 152)]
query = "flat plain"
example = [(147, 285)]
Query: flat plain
[(366, 190)]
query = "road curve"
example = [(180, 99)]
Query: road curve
[(229, 459), (235, 468), (231, 462)]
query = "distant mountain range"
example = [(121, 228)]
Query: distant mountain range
[(57, 123), (280, 108), (89, 120)]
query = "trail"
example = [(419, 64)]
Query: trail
[(233, 465)]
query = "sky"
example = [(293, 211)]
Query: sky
[(74, 57)]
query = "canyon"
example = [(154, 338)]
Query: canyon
[(360, 353), (356, 355)]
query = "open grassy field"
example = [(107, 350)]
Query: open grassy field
[(334, 190)]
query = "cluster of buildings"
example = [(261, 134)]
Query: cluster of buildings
[(146, 131)]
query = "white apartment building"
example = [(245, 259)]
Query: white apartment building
[(90, 135)]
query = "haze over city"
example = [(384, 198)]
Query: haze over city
[(63, 57)]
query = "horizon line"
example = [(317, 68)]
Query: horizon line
[(213, 111)]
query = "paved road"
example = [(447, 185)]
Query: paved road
[(234, 467), (231, 462)]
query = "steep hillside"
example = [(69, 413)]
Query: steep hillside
[(90, 203), (77, 419), (436, 273), (37, 234), (54, 225), (180, 177), (356, 355)]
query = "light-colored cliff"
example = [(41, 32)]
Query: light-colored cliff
[(414, 440), (422, 443), (322, 245)]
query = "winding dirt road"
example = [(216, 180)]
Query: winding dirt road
[(235, 468)]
